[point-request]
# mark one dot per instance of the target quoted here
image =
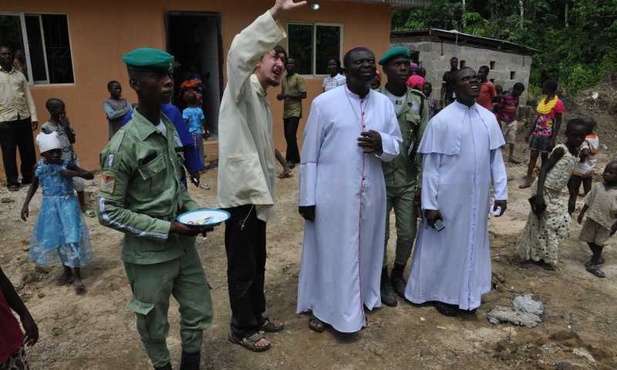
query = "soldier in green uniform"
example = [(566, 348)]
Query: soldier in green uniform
[(404, 174), (141, 193)]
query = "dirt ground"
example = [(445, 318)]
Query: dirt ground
[(97, 331)]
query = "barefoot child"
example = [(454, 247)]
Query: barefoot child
[(506, 114), (601, 221), (116, 107), (59, 122), (586, 166), (12, 340), (60, 229), (549, 220)]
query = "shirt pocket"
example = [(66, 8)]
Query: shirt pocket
[(152, 168)]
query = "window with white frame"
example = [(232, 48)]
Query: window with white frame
[(312, 45), (41, 46)]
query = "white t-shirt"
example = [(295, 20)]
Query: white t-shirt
[(397, 101), (330, 82), (162, 129)]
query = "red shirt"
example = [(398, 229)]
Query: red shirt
[(415, 82), (11, 337), (507, 108), (487, 93)]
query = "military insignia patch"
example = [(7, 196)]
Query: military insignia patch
[(108, 184)]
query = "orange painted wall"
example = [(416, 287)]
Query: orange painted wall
[(101, 32)]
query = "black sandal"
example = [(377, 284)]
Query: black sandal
[(272, 326), (249, 342), (317, 325), (595, 271), (446, 309)]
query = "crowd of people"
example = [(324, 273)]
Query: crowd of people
[(367, 149)]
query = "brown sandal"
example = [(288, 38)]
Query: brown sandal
[(317, 325), (250, 342), (272, 326)]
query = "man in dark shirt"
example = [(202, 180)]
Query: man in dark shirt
[(448, 83)]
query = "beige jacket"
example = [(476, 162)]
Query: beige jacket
[(15, 99), (246, 149)]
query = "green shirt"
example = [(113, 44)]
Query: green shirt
[(406, 169), (141, 190), (292, 85)]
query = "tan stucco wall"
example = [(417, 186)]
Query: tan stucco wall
[(101, 32)]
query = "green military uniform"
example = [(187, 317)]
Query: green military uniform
[(403, 175), (141, 193)]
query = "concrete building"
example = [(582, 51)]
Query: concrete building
[(73, 48), (509, 63)]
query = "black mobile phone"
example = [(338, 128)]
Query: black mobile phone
[(439, 225)]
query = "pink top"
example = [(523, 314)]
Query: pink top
[(415, 82)]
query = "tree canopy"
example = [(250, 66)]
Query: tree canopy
[(577, 38)]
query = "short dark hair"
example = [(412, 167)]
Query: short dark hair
[(278, 49), (551, 84), (52, 102), (111, 83), (453, 58), (354, 50), (486, 68), (458, 73), (7, 48), (191, 98), (575, 122), (426, 83), (337, 61), (518, 86)]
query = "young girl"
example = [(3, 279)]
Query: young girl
[(586, 166), (549, 220), (60, 229), (601, 221)]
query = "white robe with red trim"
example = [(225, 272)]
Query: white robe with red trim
[(342, 251)]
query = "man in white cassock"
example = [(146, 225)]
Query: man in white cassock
[(462, 154), (349, 132)]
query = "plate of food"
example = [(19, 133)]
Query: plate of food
[(203, 217)]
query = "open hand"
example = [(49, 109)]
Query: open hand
[(181, 229), (370, 142), (283, 6), (540, 206)]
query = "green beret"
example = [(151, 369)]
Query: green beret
[(394, 52), (148, 59)]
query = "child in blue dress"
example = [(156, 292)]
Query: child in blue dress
[(60, 232)]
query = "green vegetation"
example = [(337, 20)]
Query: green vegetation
[(577, 38)]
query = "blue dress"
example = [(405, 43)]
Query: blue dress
[(60, 232)]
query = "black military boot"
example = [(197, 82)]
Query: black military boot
[(397, 281), (388, 297), (190, 361), (164, 367)]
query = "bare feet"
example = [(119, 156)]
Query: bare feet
[(80, 288), (525, 184), (286, 173), (514, 161)]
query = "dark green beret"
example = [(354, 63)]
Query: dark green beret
[(148, 59), (394, 52)]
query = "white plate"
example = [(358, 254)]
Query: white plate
[(203, 217)]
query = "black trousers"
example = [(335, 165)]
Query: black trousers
[(17, 135), (245, 244), (291, 129)]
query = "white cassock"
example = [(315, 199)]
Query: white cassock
[(342, 252), (461, 148)]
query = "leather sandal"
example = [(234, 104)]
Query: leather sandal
[(250, 342)]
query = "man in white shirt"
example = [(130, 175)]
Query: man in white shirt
[(17, 121), (247, 171)]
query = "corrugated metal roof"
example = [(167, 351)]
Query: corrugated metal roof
[(464, 38), (396, 3)]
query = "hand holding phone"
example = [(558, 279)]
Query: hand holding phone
[(439, 225)]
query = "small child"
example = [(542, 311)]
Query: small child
[(549, 220), (60, 229), (433, 104), (601, 221), (585, 170), (194, 118), (12, 339), (116, 107), (59, 122), (506, 109)]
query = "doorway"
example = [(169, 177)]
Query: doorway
[(195, 39)]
